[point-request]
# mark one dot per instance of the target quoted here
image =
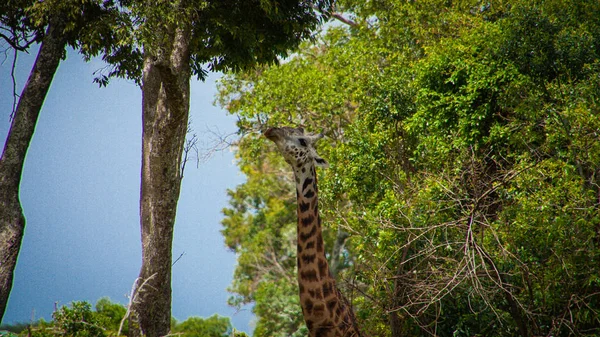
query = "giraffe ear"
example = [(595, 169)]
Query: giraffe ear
[(321, 162)]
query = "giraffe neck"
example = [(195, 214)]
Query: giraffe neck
[(325, 309), (311, 250)]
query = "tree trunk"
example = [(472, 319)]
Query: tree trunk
[(336, 254), (165, 107), (398, 298), (12, 220)]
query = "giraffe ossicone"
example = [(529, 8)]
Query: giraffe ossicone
[(326, 311)]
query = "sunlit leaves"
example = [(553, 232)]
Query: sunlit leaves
[(465, 164), (79, 320), (213, 326)]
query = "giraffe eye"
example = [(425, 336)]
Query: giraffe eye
[(302, 141)]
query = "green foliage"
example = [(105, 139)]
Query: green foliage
[(213, 326), (111, 314), (279, 315), (464, 154), (224, 35), (7, 334), (18, 32), (79, 320)]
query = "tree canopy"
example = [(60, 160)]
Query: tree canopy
[(159, 46), (463, 194), (224, 35)]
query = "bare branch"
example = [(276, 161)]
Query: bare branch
[(343, 19), (129, 305), (337, 16), (213, 141), (177, 259), (14, 42), (14, 85), (133, 297), (191, 144)]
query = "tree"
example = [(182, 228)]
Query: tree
[(213, 326), (160, 47), (78, 321), (23, 23), (173, 41), (463, 162), (13, 155), (112, 316)]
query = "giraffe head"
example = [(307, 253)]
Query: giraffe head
[(297, 147)]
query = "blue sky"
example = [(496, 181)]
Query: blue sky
[(80, 194)]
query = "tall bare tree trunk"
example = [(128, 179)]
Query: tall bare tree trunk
[(165, 108), (12, 220), (398, 297)]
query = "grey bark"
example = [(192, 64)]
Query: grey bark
[(12, 220), (165, 107), (337, 260)]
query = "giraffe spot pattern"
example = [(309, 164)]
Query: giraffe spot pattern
[(319, 243), (309, 275), (323, 268), (308, 258), (309, 194), (303, 206), (331, 304), (315, 293), (322, 332), (305, 236), (327, 289), (307, 181), (308, 220), (308, 305), (309, 324), (319, 310)]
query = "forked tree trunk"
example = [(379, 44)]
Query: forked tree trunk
[(165, 107), (12, 220)]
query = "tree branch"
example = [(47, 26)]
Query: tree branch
[(14, 42), (337, 16), (343, 19), (14, 85)]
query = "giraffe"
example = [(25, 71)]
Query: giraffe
[(326, 311)]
